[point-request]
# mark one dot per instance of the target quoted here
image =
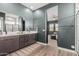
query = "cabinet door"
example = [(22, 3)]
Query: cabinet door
[(26, 39), (3, 46), (12, 43), (21, 41), (31, 39), (8, 44)]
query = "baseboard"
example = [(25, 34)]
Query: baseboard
[(41, 43), (68, 50)]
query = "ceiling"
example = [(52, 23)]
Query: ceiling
[(34, 6), (52, 13)]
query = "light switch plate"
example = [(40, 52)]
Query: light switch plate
[(43, 30)]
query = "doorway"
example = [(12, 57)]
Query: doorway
[(52, 26)]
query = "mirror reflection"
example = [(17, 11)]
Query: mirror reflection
[(11, 22), (1, 25)]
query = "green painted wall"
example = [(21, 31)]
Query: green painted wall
[(66, 34), (19, 10), (66, 26), (40, 19)]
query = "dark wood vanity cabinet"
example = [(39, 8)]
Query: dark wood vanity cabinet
[(12, 43), (8, 44), (3, 46), (27, 39), (21, 41), (31, 39), (26, 36)]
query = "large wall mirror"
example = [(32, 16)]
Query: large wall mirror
[(2, 19), (1, 25), (11, 22)]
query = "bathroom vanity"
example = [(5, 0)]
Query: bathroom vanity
[(10, 43)]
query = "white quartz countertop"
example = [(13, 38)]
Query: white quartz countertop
[(17, 33)]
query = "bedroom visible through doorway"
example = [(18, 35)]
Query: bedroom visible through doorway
[(52, 26)]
